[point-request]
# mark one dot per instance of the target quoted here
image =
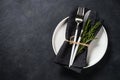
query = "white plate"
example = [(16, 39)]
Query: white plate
[(96, 49)]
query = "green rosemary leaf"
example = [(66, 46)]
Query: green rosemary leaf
[(85, 28), (88, 34)]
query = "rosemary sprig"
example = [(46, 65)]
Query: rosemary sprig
[(88, 34)]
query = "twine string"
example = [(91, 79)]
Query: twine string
[(72, 42)]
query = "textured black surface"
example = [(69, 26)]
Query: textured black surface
[(26, 28)]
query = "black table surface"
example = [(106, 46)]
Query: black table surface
[(26, 28)]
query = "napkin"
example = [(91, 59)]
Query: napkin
[(64, 53)]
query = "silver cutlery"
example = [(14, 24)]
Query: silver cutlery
[(85, 19), (78, 19)]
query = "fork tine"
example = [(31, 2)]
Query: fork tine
[(83, 11), (80, 11)]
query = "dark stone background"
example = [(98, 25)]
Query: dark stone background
[(26, 28)]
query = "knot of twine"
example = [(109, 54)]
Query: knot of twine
[(73, 42)]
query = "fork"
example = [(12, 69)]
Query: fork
[(78, 19)]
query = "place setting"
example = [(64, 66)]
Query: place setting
[(80, 40)]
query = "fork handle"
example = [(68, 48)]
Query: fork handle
[(77, 45), (76, 48), (73, 47)]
